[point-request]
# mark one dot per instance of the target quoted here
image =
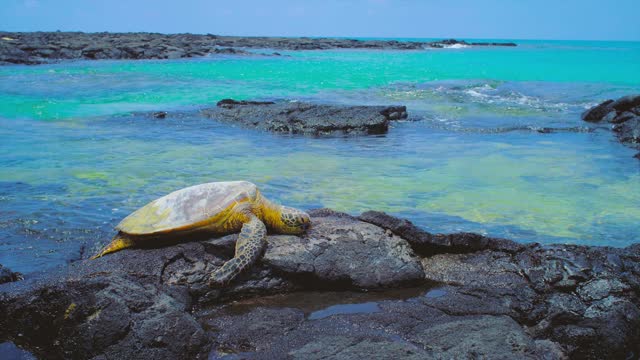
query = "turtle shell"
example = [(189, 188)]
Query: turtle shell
[(188, 208)]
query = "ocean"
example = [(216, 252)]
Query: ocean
[(77, 155)]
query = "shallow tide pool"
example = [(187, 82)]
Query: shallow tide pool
[(76, 160)]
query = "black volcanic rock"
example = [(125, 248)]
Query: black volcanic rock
[(7, 275), (447, 42), (476, 297), (617, 111), (230, 103), (624, 114), (628, 132), (306, 118), (597, 113), (493, 44), (451, 42), (333, 251), (43, 47), (160, 114), (626, 103), (429, 244), (135, 303)]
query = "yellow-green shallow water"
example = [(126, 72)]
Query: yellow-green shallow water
[(74, 162)]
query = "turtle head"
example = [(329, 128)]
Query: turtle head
[(292, 221)]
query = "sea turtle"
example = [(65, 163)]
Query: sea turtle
[(218, 208)]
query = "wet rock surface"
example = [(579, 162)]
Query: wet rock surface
[(306, 118), (394, 329), (476, 297), (42, 47), (6, 275), (334, 250), (623, 115)]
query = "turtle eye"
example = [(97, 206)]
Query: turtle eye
[(304, 226), (303, 220)]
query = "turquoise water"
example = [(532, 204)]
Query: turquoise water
[(77, 157)]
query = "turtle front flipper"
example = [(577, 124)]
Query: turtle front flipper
[(249, 247)]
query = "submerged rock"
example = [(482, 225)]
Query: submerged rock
[(306, 118), (494, 298), (624, 114)]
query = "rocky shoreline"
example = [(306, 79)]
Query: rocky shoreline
[(43, 47), (623, 115), (477, 297)]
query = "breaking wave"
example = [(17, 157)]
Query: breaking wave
[(487, 105)]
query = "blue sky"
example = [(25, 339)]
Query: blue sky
[(515, 19)]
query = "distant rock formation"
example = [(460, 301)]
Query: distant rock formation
[(42, 47)]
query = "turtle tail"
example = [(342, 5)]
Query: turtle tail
[(119, 242)]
